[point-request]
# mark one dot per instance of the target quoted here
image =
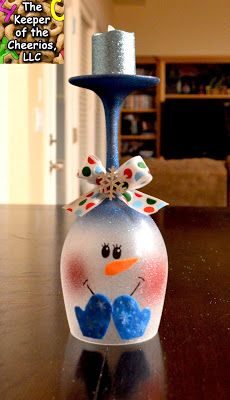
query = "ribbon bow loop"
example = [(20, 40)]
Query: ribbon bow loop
[(91, 169), (135, 172), (121, 183)]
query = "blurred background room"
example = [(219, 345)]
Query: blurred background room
[(181, 128)]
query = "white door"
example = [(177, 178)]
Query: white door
[(84, 115), (60, 129), (50, 79), (87, 99), (72, 9)]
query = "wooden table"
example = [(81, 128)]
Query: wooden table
[(39, 360)]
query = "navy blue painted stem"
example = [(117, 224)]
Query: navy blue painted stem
[(112, 107), (113, 89)]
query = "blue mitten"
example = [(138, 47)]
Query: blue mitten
[(94, 321), (129, 319)]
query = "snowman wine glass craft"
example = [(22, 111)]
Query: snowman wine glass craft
[(114, 262)]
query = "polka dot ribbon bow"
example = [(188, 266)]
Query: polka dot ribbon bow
[(121, 183)]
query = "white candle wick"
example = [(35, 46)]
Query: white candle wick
[(111, 28)]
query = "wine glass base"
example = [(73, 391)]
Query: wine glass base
[(118, 343)]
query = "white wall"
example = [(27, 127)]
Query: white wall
[(177, 27), (18, 133), (4, 142), (22, 148)]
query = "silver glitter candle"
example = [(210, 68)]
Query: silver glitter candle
[(114, 52)]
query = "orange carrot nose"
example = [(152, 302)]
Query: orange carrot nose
[(118, 266)]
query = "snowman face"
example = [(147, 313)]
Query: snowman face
[(113, 261), (122, 256)]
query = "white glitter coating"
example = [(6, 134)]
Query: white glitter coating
[(114, 53)]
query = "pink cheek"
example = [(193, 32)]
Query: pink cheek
[(75, 274), (155, 276)]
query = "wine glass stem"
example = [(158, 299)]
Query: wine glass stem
[(112, 106)]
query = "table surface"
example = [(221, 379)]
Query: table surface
[(39, 360)]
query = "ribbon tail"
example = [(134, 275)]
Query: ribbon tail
[(85, 203), (142, 202)]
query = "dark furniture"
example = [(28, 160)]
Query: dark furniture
[(187, 115), (189, 358), (193, 128)]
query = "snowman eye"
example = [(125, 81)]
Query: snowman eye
[(105, 251), (116, 252)]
